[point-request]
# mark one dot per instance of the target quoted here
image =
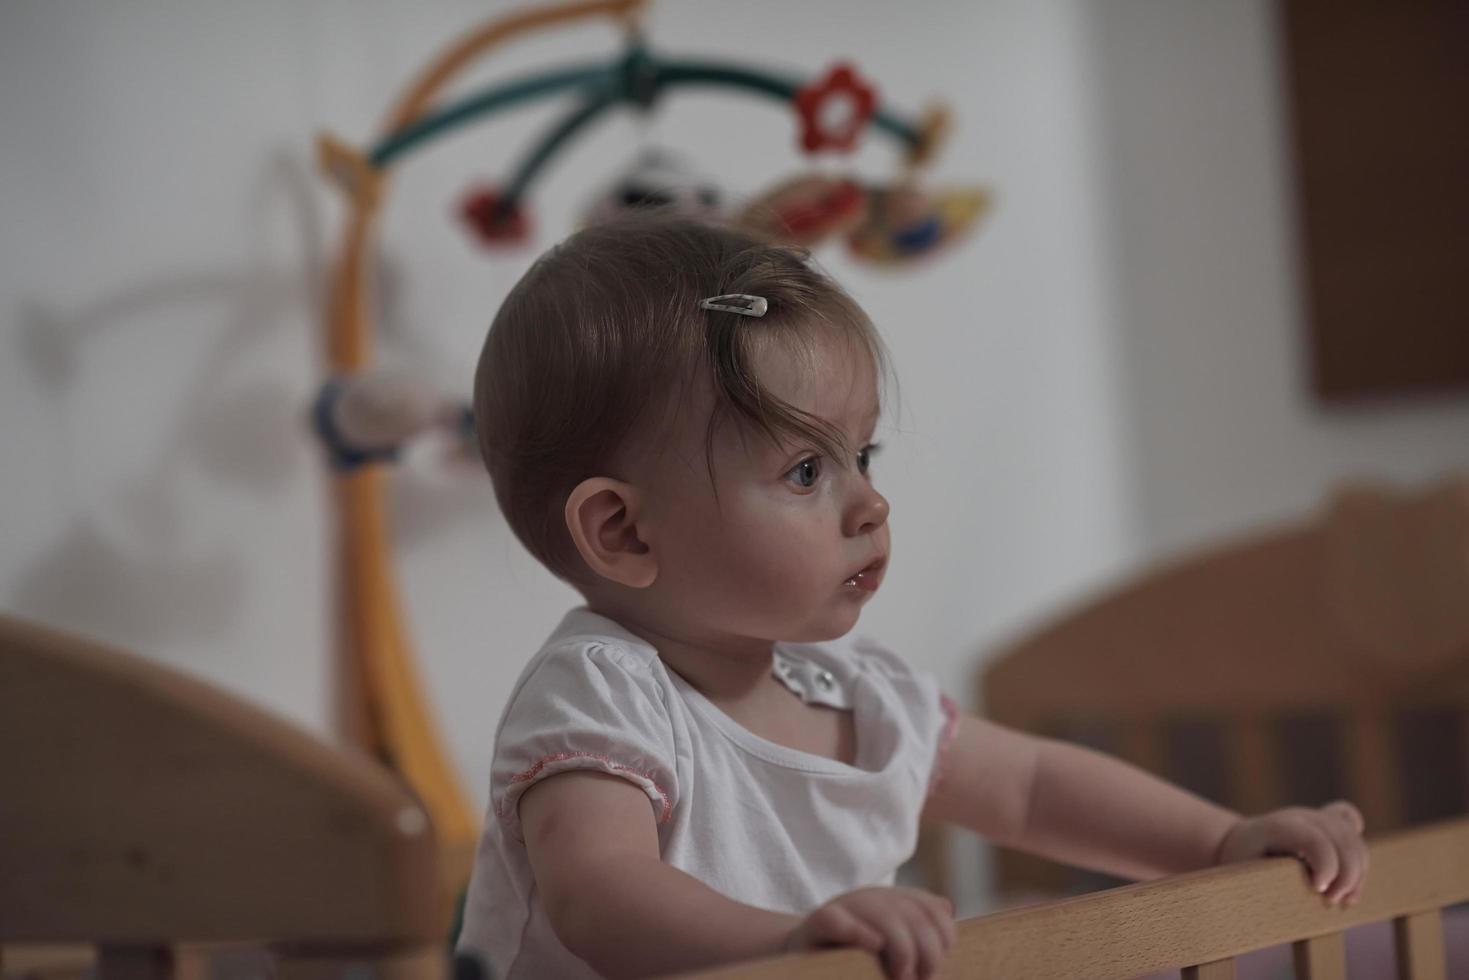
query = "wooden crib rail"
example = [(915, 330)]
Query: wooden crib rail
[(1198, 922)]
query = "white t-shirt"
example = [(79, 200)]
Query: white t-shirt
[(761, 823)]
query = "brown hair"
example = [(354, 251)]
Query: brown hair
[(605, 333)]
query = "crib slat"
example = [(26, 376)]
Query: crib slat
[(1141, 742), (115, 962), (1252, 767), (1321, 958), (1419, 942), (1371, 770), (419, 961), (1218, 970)]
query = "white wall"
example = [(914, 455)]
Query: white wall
[(1189, 107), (1108, 369)]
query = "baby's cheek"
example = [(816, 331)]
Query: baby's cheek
[(775, 548), (779, 565)]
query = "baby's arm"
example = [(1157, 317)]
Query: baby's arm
[(1081, 807), (1074, 805), (593, 848)]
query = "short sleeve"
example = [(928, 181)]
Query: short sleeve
[(587, 706), (930, 716)]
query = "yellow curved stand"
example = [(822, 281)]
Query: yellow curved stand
[(387, 713)]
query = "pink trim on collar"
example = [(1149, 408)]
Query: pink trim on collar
[(946, 739), (615, 767)]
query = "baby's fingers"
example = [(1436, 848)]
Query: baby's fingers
[(1353, 892), (940, 913), (1356, 847), (930, 949), (900, 952), (915, 942), (838, 926), (1347, 812), (1351, 853), (1305, 838)]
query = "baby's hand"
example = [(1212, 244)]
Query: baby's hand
[(910, 929), (1329, 840)]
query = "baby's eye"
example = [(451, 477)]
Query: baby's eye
[(864, 458), (806, 472)]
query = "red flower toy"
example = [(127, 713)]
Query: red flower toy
[(820, 106), (481, 212)]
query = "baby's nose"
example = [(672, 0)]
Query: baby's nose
[(869, 512)]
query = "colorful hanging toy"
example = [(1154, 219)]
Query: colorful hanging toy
[(362, 417)]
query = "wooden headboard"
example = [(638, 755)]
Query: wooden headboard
[(140, 809), (1324, 659)]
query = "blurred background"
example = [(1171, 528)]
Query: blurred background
[(1114, 367)]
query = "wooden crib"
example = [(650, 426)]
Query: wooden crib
[(158, 819), (144, 814), (1323, 659)]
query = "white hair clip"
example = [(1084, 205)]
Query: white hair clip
[(742, 303)]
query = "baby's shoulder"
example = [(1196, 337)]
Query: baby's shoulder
[(591, 698), (588, 658), (600, 650)]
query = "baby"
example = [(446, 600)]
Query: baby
[(701, 765)]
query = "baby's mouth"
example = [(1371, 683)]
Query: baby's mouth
[(868, 578)]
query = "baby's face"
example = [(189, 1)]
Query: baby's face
[(787, 551)]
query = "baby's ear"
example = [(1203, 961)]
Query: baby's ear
[(602, 516)]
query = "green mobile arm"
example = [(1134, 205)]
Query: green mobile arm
[(638, 78)]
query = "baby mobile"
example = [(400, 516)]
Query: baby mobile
[(364, 418)]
